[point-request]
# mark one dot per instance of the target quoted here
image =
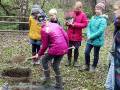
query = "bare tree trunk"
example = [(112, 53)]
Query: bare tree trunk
[(23, 12), (92, 5), (36, 2), (43, 4)]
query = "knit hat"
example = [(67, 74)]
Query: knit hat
[(35, 9), (101, 6)]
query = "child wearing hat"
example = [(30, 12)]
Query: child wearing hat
[(95, 37), (35, 31)]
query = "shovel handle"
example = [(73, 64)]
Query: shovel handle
[(71, 47), (31, 57)]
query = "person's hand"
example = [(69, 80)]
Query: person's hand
[(36, 56), (69, 24)]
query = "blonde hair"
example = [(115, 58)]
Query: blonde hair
[(78, 4), (53, 11)]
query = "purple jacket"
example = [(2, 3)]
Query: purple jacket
[(54, 38)]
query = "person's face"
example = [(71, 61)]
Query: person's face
[(77, 9), (118, 21), (98, 11), (35, 14)]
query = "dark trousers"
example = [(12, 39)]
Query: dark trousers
[(76, 44), (55, 63), (35, 48), (87, 54)]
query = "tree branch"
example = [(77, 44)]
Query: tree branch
[(6, 11), (43, 4)]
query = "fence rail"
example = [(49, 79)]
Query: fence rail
[(14, 23), (17, 31), (13, 17)]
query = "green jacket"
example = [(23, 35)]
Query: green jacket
[(95, 30)]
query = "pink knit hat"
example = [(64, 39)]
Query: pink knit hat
[(101, 6)]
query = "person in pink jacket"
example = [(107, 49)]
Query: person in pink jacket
[(55, 44), (79, 22)]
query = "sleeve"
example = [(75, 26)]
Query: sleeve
[(65, 35), (83, 23), (115, 27), (44, 38), (88, 30), (89, 27), (101, 29)]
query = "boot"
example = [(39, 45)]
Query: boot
[(92, 69), (59, 83), (69, 57), (85, 68), (68, 63), (47, 79), (76, 64)]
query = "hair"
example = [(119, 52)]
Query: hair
[(117, 21), (53, 11), (78, 4), (116, 5)]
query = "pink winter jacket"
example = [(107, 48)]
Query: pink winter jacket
[(80, 21), (54, 38)]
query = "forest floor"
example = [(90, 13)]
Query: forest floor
[(17, 44)]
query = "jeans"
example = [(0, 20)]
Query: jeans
[(35, 48), (55, 63), (96, 54), (109, 84)]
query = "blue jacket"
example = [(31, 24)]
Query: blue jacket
[(95, 30)]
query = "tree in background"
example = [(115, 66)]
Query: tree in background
[(23, 4)]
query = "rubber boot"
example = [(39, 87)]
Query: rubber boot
[(69, 58), (59, 82), (85, 68), (47, 79), (76, 64), (68, 63)]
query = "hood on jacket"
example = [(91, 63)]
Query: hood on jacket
[(105, 16)]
